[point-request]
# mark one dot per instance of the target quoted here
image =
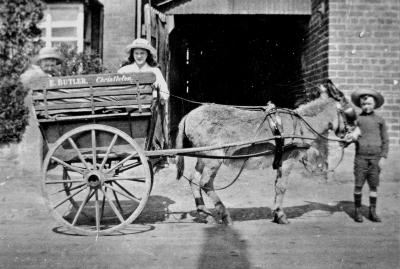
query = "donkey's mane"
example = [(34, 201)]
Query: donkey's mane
[(314, 107)]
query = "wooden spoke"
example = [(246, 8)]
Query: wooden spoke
[(121, 163), (118, 203), (79, 153), (94, 149), (129, 166), (69, 189), (63, 181), (126, 195), (81, 207), (103, 204), (68, 197), (128, 192), (66, 165), (108, 151), (137, 179), (97, 208), (114, 208)]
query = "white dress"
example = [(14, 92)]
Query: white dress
[(160, 81)]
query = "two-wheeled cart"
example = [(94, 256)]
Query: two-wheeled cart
[(101, 136)]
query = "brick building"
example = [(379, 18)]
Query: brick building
[(292, 45), (357, 44), (288, 47)]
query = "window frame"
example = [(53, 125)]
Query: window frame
[(49, 24)]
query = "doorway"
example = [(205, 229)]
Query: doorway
[(235, 60)]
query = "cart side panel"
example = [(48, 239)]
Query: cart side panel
[(126, 102), (136, 127)]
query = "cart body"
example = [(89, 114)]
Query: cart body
[(96, 178)]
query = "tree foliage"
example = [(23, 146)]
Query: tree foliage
[(19, 42), (80, 63)]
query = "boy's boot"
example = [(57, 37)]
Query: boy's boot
[(372, 210), (357, 211)]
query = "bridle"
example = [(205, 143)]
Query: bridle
[(341, 120), (346, 116)]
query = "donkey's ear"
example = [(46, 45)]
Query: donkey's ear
[(323, 90), (333, 91)]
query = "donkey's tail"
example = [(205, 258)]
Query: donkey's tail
[(180, 163)]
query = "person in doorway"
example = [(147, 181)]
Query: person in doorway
[(371, 149), (142, 58)]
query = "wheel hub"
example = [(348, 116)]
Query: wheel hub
[(94, 179)]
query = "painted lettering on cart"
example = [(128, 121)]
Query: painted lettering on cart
[(57, 82), (114, 78), (83, 81)]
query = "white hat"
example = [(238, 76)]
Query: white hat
[(49, 53), (141, 43)]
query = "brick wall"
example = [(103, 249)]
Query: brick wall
[(119, 31), (315, 48), (364, 52)]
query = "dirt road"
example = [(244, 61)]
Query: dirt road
[(321, 234)]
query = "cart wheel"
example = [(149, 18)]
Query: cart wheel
[(96, 179)]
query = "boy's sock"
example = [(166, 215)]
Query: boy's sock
[(357, 204)]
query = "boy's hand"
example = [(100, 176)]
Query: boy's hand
[(356, 133), (382, 162), (352, 136)]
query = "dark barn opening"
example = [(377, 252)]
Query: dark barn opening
[(236, 60)]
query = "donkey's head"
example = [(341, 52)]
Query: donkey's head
[(346, 112)]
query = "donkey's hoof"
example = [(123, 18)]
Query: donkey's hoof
[(280, 218), (211, 220), (227, 220)]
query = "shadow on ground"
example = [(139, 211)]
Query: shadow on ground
[(130, 229), (156, 211), (257, 213), (223, 247)]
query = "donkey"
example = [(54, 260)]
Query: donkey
[(214, 124)]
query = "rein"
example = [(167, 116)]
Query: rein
[(341, 113), (246, 157), (329, 170)]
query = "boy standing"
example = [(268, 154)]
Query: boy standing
[(371, 149)]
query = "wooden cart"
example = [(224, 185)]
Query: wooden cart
[(101, 136), (96, 177)]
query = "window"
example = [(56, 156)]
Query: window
[(63, 23)]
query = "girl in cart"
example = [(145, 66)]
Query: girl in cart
[(142, 58)]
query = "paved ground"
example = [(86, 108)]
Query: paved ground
[(321, 234)]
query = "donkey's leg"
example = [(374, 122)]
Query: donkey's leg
[(196, 191), (207, 181), (281, 183)]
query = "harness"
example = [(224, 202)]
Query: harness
[(275, 124)]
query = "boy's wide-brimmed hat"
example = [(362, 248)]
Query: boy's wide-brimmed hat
[(141, 43), (356, 95), (49, 53)]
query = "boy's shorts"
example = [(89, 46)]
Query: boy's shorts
[(366, 169)]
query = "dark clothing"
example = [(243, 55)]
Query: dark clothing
[(374, 141), (370, 148), (366, 169)]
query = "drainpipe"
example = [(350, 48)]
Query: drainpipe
[(148, 24), (138, 18), (147, 21)]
